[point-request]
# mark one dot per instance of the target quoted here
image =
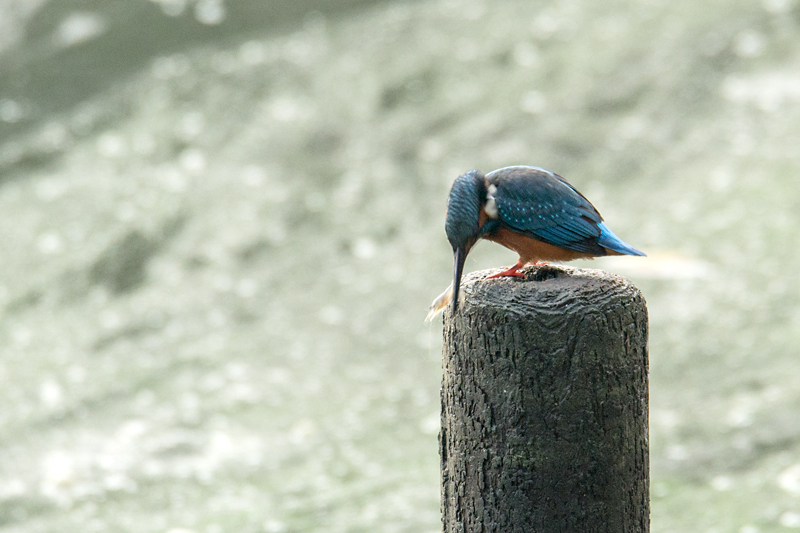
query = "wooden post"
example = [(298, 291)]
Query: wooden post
[(544, 405)]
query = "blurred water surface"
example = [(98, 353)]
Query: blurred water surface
[(222, 223)]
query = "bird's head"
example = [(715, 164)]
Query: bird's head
[(463, 224)]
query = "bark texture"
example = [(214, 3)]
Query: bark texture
[(544, 405)]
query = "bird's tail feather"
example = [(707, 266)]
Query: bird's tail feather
[(607, 239)]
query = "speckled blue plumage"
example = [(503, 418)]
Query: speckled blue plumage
[(542, 205), (467, 197)]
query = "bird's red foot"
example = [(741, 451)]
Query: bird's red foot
[(512, 272), (507, 274)]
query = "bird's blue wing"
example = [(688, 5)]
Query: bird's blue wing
[(540, 204)]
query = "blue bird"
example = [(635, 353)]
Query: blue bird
[(529, 210)]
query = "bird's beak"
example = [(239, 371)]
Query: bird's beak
[(459, 256)]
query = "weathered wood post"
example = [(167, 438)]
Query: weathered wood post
[(544, 405)]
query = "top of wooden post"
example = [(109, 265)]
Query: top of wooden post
[(545, 289)]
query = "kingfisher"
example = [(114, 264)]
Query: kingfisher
[(529, 210)]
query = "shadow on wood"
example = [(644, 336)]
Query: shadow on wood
[(544, 405)]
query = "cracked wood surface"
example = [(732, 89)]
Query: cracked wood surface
[(544, 405)]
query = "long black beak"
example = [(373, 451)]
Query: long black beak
[(459, 256)]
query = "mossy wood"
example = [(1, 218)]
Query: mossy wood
[(544, 405)]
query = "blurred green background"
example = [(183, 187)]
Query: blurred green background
[(221, 224)]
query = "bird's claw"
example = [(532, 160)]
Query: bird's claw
[(511, 272), (507, 274)]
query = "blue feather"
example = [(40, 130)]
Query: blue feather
[(542, 205), (607, 239)]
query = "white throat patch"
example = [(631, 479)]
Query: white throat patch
[(491, 203)]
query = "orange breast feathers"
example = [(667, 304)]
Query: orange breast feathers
[(532, 250)]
